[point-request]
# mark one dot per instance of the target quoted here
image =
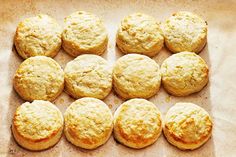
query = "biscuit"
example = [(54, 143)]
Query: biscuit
[(88, 123), (39, 78), (187, 126), (184, 73), (185, 31), (88, 76), (139, 33), (137, 123), (37, 125), (84, 33), (136, 76), (38, 36)]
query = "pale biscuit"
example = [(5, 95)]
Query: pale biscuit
[(39, 78), (137, 123), (139, 33), (136, 76), (184, 73), (187, 126), (88, 123), (37, 125), (88, 76), (38, 36), (84, 33), (185, 31)]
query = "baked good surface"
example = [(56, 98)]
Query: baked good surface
[(39, 78), (84, 33), (88, 76), (139, 33), (137, 123), (184, 73), (185, 31), (88, 123), (187, 126), (38, 36), (37, 125), (136, 76)]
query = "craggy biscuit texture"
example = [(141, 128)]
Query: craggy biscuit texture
[(139, 33), (37, 125), (88, 123), (185, 31), (184, 73), (38, 36), (88, 76), (84, 33), (137, 123), (136, 76), (39, 78), (187, 126)]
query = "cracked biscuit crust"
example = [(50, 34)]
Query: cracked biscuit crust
[(187, 126), (137, 123), (184, 73), (185, 31), (37, 125), (84, 33), (136, 76), (88, 76), (88, 123), (139, 33), (39, 78), (38, 36)]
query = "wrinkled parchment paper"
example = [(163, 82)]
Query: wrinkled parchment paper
[(218, 97)]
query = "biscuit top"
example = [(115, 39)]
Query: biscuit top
[(39, 77), (89, 75), (88, 120), (188, 123), (184, 70), (86, 30), (138, 121), (139, 31), (38, 120), (136, 73), (184, 30), (39, 35)]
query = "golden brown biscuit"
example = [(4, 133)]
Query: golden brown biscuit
[(39, 78), (139, 33), (38, 36), (88, 76), (187, 126), (84, 33), (137, 123), (185, 31), (136, 76), (37, 125), (184, 73), (88, 123)]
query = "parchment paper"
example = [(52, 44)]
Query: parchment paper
[(218, 97)]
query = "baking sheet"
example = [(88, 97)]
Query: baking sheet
[(218, 97)]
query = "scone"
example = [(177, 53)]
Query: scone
[(37, 125), (139, 33), (187, 126), (136, 76), (185, 31), (137, 123), (184, 73), (84, 33), (39, 78), (88, 123), (88, 76), (38, 36)]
